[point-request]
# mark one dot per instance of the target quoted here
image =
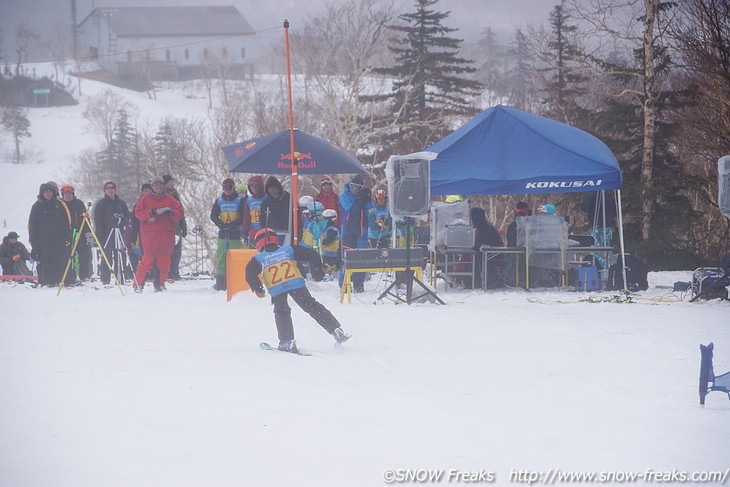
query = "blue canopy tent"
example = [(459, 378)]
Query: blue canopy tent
[(507, 151)]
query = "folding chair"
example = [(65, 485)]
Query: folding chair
[(720, 383)]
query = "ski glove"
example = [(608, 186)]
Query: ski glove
[(35, 254), (16, 257), (261, 293)]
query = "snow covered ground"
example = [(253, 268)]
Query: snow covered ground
[(172, 390), (100, 389)]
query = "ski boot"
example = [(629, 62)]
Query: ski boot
[(340, 336), (288, 346)]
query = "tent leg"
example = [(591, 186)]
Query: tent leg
[(621, 238)]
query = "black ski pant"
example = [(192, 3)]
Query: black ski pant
[(315, 309), (358, 278), (175, 261)]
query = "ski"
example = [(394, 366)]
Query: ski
[(266, 346)]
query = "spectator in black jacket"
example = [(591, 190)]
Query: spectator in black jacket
[(49, 230), (181, 230), (77, 211), (276, 207), (510, 262), (485, 234), (13, 255), (111, 213)]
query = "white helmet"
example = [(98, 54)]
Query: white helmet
[(329, 213), (305, 200)]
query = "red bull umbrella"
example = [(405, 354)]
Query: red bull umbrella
[(271, 154)]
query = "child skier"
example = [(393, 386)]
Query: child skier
[(330, 244), (282, 278)]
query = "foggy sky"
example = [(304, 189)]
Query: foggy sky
[(470, 16)]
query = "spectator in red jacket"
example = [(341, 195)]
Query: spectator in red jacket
[(329, 199), (157, 212)]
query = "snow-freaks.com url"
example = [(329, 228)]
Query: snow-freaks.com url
[(555, 476)]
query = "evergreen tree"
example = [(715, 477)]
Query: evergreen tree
[(119, 161), (430, 87), (493, 59), (15, 120), (169, 150), (519, 76), (621, 126), (560, 56)]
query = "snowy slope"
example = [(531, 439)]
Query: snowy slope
[(171, 389), (152, 390)]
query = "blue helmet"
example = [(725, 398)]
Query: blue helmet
[(315, 208)]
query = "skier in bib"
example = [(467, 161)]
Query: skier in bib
[(282, 279)]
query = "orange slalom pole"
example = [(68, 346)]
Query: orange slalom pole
[(294, 162)]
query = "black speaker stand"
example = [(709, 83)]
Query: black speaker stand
[(409, 277)]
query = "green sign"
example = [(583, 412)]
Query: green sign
[(41, 91)]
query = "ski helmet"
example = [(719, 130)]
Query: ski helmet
[(264, 237), (381, 194), (315, 208), (305, 200), (329, 213)]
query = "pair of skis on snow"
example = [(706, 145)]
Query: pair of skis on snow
[(266, 346)]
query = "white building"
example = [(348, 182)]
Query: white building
[(169, 42)]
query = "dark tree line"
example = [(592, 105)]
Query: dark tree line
[(657, 92)]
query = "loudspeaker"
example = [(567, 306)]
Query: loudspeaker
[(409, 186)]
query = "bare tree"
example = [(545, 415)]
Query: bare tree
[(702, 37), (101, 112), (338, 51), (701, 34), (59, 46), (25, 40), (637, 25)]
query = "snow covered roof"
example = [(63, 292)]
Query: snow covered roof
[(174, 21)]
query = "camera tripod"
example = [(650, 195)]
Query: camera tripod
[(119, 252), (87, 223)]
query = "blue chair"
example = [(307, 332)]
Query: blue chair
[(720, 383)]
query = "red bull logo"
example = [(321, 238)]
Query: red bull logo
[(299, 155), (242, 149), (304, 160)]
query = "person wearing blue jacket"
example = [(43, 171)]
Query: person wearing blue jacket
[(355, 203), (280, 272), (380, 223)]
